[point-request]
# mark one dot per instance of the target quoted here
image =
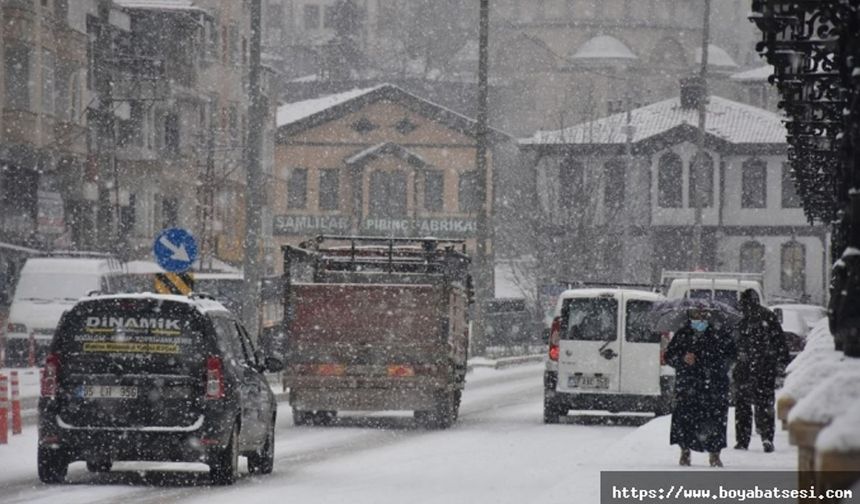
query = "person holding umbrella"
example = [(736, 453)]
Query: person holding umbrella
[(701, 354), (762, 351)]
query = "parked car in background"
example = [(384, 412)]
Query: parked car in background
[(797, 320), (150, 377), (724, 287)]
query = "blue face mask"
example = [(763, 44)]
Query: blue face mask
[(699, 325)]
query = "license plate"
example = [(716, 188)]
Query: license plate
[(107, 392), (588, 381)]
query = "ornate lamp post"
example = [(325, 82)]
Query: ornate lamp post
[(813, 46)]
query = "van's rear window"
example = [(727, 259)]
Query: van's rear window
[(591, 319), (130, 335), (727, 296)]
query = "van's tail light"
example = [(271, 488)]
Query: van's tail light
[(50, 376), (554, 338), (664, 342), (214, 378)]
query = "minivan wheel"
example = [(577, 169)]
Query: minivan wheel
[(262, 461), (53, 465), (99, 465), (224, 463), (552, 411)]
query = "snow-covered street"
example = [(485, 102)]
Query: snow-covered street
[(499, 451)]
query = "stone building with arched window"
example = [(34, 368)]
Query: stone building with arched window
[(619, 198)]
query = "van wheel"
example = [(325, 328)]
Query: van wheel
[(262, 461), (552, 411), (224, 463), (53, 465), (99, 465)]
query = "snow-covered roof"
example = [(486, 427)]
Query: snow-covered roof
[(728, 120), (759, 74), (307, 113), (292, 112), (603, 47), (179, 5), (69, 265), (717, 56)]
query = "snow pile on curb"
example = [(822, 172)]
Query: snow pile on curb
[(830, 397)]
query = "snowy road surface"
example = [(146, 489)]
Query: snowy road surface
[(499, 452)]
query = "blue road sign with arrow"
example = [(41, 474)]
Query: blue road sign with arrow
[(175, 250)]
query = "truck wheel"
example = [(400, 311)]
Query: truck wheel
[(301, 417), (262, 461), (443, 414), (552, 411), (224, 463), (324, 417), (53, 465)]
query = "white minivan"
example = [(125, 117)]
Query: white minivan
[(603, 355), (47, 287)]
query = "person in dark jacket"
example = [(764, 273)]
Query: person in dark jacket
[(762, 353), (701, 355)]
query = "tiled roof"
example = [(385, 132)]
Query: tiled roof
[(730, 121)]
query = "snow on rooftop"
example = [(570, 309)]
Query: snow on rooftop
[(604, 47), (759, 74), (729, 120), (293, 112), (717, 56)]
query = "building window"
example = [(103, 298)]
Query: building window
[(790, 198), (387, 195), (752, 257), (702, 180), (754, 184), (169, 212), (793, 271), (171, 133), (297, 189), (47, 82), (571, 177), (17, 77), (614, 187), (330, 189), (670, 172), (468, 192), (329, 15), (312, 17), (434, 190)]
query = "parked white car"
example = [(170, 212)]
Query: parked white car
[(603, 355), (797, 320)]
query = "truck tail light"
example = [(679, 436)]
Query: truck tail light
[(400, 370), (214, 378), (554, 339), (50, 376)]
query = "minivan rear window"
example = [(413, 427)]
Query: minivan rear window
[(131, 336), (591, 319), (637, 329)]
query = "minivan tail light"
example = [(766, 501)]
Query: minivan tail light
[(554, 338), (214, 378), (50, 376)]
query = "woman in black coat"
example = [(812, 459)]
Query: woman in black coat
[(701, 356)]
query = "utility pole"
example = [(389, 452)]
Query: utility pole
[(700, 141), (483, 267), (629, 131), (254, 185)]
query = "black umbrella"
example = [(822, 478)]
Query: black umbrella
[(673, 314)]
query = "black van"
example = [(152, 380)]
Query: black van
[(149, 377)]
